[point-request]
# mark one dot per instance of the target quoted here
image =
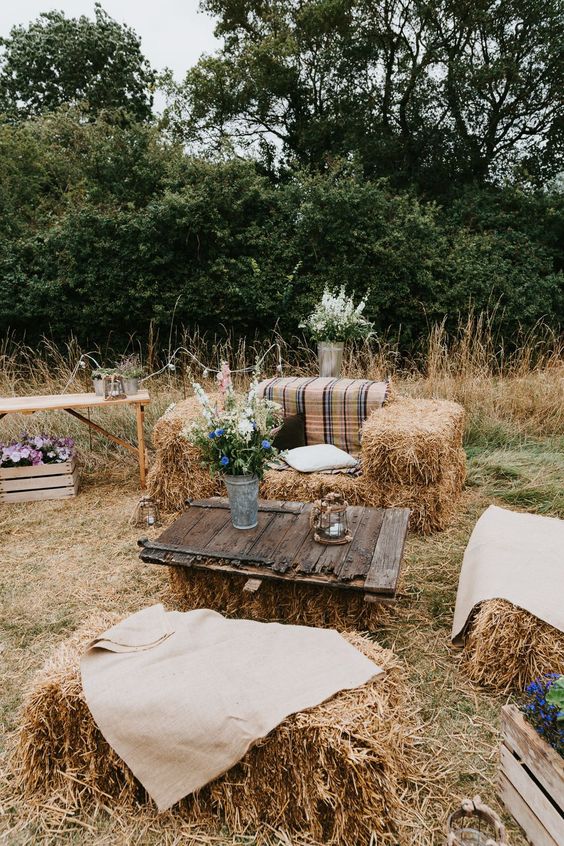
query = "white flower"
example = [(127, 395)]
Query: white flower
[(245, 428)]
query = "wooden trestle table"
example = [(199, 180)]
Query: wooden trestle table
[(70, 402)]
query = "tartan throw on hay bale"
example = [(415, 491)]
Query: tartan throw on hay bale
[(299, 604), (411, 457), (337, 774), (506, 648)]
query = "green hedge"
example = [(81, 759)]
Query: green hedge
[(104, 228)]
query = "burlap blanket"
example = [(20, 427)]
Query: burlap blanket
[(516, 557), (334, 409), (182, 696)]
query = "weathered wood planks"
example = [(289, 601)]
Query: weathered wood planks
[(281, 547), (531, 780), (44, 481)]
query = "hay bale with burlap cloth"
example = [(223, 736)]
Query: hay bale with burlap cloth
[(506, 647), (411, 457), (336, 774)]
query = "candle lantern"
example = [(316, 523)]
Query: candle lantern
[(113, 387), (474, 824), (146, 513), (329, 519)]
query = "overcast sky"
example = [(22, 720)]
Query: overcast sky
[(174, 33)]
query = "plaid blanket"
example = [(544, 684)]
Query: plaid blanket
[(334, 409)]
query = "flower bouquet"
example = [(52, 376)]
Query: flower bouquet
[(235, 440), (33, 450), (335, 320)]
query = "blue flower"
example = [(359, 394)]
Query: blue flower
[(219, 432), (224, 460), (265, 444), (211, 435)]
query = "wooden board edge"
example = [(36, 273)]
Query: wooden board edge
[(546, 764), (522, 814), (532, 793)]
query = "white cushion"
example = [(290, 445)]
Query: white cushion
[(313, 459)]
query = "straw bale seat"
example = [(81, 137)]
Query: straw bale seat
[(338, 773), (506, 647), (411, 456)]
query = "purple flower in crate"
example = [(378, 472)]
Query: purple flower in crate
[(265, 444), (541, 714)]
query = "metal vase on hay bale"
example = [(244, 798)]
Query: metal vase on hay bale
[(243, 500), (330, 354), (486, 829)]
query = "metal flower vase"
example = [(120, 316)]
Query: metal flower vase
[(330, 355), (243, 500)]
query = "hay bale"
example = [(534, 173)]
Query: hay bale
[(412, 457), (302, 605), (506, 647), (177, 471), (412, 441), (334, 774)]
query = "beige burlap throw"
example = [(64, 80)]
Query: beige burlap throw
[(181, 697), (517, 557)]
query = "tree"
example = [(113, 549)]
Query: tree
[(92, 65), (432, 92)]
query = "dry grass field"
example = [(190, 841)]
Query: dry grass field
[(62, 561)]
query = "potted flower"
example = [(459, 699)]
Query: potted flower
[(334, 320), (98, 379), (37, 467), (131, 369), (235, 441)]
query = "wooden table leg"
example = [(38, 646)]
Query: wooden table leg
[(140, 415)]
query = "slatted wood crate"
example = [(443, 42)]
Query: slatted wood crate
[(45, 481), (531, 780)]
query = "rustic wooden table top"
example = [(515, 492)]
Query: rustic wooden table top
[(53, 402), (282, 546)]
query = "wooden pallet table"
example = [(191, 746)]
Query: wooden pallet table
[(281, 547), (70, 402)]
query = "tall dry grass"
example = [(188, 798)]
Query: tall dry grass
[(507, 395)]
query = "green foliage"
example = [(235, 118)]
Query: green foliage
[(555, 696), (436, 94), (105, 228), (92, 65)]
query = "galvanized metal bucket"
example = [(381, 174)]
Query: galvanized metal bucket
[(98, 387), (131, 385), (330, 355), (243, 500)]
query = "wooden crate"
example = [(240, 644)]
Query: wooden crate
[(531, 780), (45, 481)]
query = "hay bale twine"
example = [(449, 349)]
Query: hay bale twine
[(506, 647), (284, 602), (336, 774)]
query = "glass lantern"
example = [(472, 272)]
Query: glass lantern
[(329, 519), (486, 829), (113, 387), (146, 513)]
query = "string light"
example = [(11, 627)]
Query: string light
[(171, 366)]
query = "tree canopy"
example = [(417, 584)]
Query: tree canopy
[(426, 92), (89, 64)]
